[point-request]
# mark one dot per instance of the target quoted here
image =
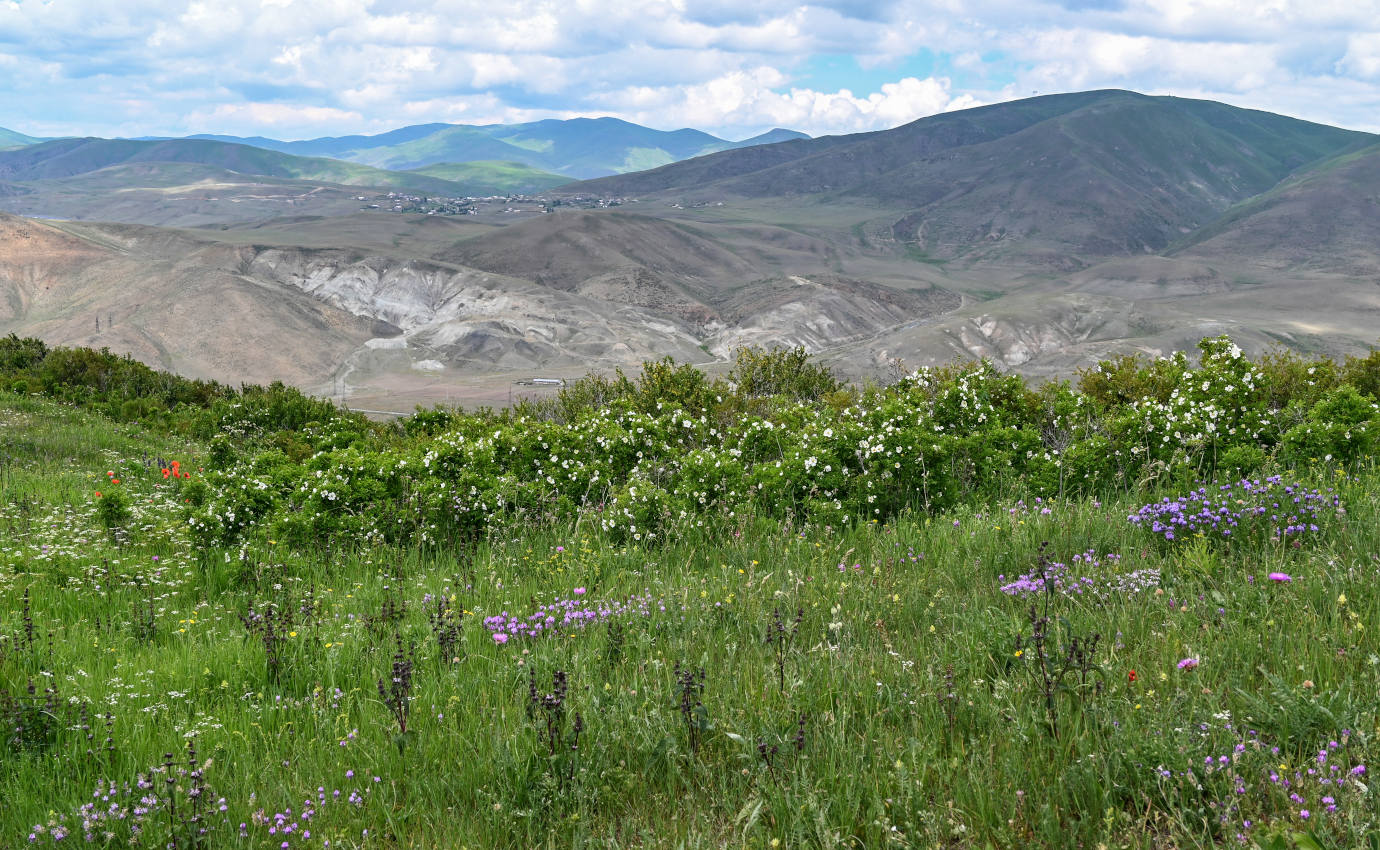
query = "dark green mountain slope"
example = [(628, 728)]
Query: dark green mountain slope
[(494, 178), (1128, 174), (770, 137), (1326, 218), (1044, 180), (578, 147), (832, 163), (456, 143), (11, 139), (70, 157), (334, 146)]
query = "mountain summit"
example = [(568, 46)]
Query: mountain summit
[(1095, 173)]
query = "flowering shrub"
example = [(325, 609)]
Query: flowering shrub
[(1340, 428), (937, 438)]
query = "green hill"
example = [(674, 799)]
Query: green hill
[(1044, 179), (579, 148), (493, 178), (1327, 217), (70, 157), (11, 139)]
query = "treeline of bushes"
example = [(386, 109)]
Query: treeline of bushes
[(783, 438), (126, 390), (780, 436)]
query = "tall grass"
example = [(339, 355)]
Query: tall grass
[(903, 712)]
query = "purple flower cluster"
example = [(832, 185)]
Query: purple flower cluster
[(1286, 510), (1101, 585), (1322, 780), (121, 811), (287, 829), (566, 615), (1251, 772)]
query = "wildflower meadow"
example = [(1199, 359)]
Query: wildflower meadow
[(1138, 610)]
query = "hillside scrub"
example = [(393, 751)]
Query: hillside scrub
[(1013, 670), (673, 450), (782, 439)]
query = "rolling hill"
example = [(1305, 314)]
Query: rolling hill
[(489, 177), (1326, 218), (175, 194), (1050, 181), (11, 139), (169, 301), (577, 147), (334, 147), (71, 157), (207, 183)]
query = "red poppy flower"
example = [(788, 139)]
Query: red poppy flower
[(1131, 676)]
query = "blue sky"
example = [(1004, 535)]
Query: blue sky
[(305, 68)]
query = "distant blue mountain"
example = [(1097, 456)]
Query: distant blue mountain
[(576, 147), (11, 139)]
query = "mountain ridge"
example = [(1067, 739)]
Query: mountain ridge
[(1099, 173), (63, 158), (575, 147), (14, 139)]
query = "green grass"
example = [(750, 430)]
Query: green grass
[(641, 159), (494, 177), (922, 726)]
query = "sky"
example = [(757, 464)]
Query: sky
[(293, 69)]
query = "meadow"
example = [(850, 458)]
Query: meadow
[(675, 612)]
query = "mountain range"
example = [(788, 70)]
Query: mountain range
[(1058, 179), (1043, 233), (133, 179), (575, 147)]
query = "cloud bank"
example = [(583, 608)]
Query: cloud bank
[(304, 68)]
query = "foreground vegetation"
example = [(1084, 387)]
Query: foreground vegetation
[(1140, 614)]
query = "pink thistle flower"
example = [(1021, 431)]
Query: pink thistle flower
[(500, 637), (1280, 577), (1188, 664)]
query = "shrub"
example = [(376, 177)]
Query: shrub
[(759, 372)]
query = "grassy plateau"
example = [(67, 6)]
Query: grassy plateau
[(221, 627)]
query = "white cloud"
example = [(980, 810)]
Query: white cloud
[(280, 115), (1086, 59), (724, 65), (1362, 57), (742, 102)]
